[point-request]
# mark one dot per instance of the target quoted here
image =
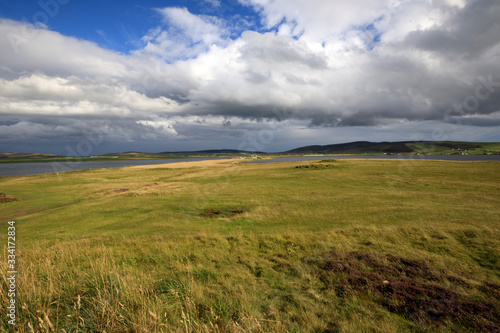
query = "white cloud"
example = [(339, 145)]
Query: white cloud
[(205, 29), (28, 49), (353, 64), (41, 94), (213, 3), (161, 125), (318, 20), (184, 35)]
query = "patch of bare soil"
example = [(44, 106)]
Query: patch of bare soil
[(7, 198), (410, 288), (214, 212)]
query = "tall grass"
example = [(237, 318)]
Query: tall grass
[(94, 257)]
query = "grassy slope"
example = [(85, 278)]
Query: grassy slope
[(412, 147), (428, 147), (127, 250), (40, 158), (444, 147)]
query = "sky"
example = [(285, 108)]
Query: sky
[(91, 77)]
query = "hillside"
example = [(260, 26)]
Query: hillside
[(26, 155), (351, 148), (403, 147)]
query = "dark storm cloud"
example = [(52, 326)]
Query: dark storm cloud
[(471, 32)]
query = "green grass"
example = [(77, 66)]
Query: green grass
[(363, 246), (440, 148)]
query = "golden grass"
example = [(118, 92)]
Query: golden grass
[(129, 250), (181, 165)]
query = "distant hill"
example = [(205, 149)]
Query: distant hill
[(402, 147), (359, 147), (33, 156), (351, 148)]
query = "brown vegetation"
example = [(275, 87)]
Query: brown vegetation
[(7, 198), (410, 288), (214, 212)]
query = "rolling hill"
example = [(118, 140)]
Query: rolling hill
[(402, 147)]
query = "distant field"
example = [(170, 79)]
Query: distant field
[(30, 158), (456, 147), (353, 148), (43, 158), (26, 157), (404, 147), (225, 246)]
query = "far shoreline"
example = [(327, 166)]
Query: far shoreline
[(39, 168)]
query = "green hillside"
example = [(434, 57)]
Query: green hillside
[(404, 147)]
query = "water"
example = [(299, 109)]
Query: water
[(389, 157), (36, 168), (26, 169)]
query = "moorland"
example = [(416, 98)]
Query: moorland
[(227, 246)]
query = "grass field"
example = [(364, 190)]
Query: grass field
[(439, 148), (224, 246), (45, 158)]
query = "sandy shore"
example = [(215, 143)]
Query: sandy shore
[(179, 165)]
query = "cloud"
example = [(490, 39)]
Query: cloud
[(26, 48), (356, 85), (490, 120), (205, 29), (38, 93), (184, 35), (213, 3), (469, 33), (319, 20), (270, 50), (316, 66)]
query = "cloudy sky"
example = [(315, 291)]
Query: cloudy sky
[(91, 77)]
